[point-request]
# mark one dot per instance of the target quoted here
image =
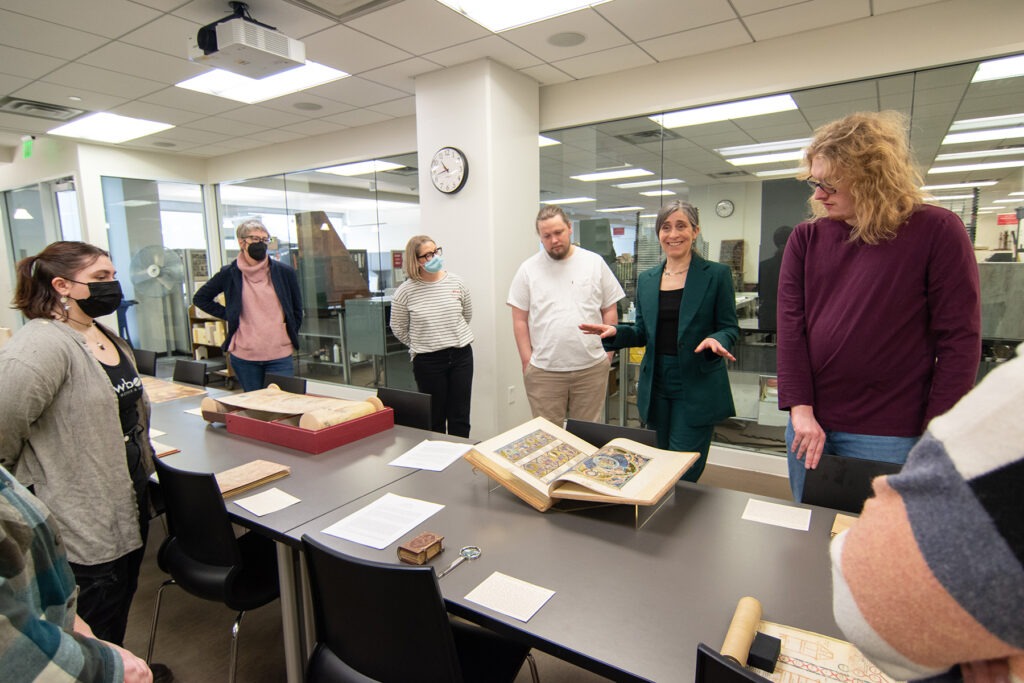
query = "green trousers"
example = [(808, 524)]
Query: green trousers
[(667, 418)]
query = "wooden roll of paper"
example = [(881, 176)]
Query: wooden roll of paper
[(349, 410), (741, 630)]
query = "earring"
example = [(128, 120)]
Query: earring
[(64, 303)]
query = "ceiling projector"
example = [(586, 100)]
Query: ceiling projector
[(244, 46)]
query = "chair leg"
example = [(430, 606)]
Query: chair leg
[(234, 647), (156, 615), (533, 667)]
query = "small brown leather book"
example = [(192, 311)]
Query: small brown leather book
[(421, 549)]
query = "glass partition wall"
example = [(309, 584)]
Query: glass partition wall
[(737, 163), (344, 229)]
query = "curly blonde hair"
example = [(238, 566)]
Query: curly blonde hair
[(869, 155)]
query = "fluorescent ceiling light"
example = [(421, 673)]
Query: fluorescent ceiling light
[(1006, 201), (980, 154), (764, 147), (620, 209), (984, 135), (1016, 194), (104, 127), (657, 193), (569, 200), (612, 175), (951, 197), (988, 122), (648, 215), (778, 173), (251, 90), (501, 16), (546, 142), (361, 168), (22, 214), (777, 157), (976, 167), (725, 112), (1008, 67), (960, 186), (650, 183)]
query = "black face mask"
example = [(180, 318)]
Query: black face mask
[(104, 298), (257, 251)]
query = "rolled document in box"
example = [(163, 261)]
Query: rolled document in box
[(742, 629), (327, 417)]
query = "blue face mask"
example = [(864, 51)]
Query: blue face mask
[(434, 265)]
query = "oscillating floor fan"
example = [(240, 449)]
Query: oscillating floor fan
[(158, 273)]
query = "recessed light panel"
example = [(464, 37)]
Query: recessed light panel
[(499, 16), (106, 127)]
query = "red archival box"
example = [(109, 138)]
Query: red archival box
[(286, 431)]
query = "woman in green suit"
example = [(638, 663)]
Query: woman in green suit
[(686, 311)]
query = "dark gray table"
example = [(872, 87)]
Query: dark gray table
[(630, 604)]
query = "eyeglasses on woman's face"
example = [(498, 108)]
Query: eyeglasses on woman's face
[(824, 187), (256, 239), (427, 255)]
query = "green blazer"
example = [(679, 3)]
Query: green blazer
[(708, 309)]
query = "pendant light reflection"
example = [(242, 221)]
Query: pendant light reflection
[(22, 214)]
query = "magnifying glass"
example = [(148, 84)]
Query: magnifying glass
[(469, 552)]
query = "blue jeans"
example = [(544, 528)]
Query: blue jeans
[(250, 373), (865, 446)]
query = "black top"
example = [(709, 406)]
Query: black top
[(128, 387), (668, 322)]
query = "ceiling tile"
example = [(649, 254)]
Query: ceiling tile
[(226, 126), (27, 125), (358, 117), (493, 47), (168, 34), (153, 112), (644, 19), (747, 7), (545, 74), (192, 135), (9, 84), (276, 136), (144, 63), (291, 20), (76, 75), (600, 35), (357, 92), (315, 127), (265, 117), (606, 61), (419, 26), (884, 6), (294, 103), (351, 51), (59, 94), (697, 41), (162, 5), (190, 100), (805, 16), (116, 18), (17, 62), (26, 33), (405, 106), (401, 75)]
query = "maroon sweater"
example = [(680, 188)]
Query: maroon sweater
[(880, 338)]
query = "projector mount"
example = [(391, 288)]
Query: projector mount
[(206, 39)]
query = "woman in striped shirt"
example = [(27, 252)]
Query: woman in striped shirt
[(430, 314)]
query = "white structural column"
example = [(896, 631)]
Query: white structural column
[(490, 113)]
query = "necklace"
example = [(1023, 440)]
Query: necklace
[(678, 272), (85, 332)]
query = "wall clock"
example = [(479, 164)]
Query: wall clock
[(724, 208), (449, 170)]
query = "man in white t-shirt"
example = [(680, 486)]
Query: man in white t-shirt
[(565, 372)]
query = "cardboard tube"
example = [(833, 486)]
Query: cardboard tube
[(327, 417), (741, 630)]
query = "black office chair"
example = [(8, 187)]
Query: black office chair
[(203, 556), (190, 372), (714, 667), (386, 622), (844, 483), (412, 408), (295, 385), (598, 433), (145, 361)]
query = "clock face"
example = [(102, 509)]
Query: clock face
[(724, 208), (449, 170)]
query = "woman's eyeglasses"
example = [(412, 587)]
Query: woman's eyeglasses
[(257, 240), (430, 254), (824, 187)]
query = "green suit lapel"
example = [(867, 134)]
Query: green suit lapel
[(697, 281)]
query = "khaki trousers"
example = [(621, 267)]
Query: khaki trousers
[(579, 394)]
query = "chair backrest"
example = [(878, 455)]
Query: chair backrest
[(386, 621), (713, 667), (196, 516), (295, 385), (412, 408), (598, 434), (190, 372), (843, 483), (145, 361)]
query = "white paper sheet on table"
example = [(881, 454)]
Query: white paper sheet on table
[(779, 515), (153, 433), (195, 411), (431, 455), (510, 596), (268, 501), (383, 521)]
